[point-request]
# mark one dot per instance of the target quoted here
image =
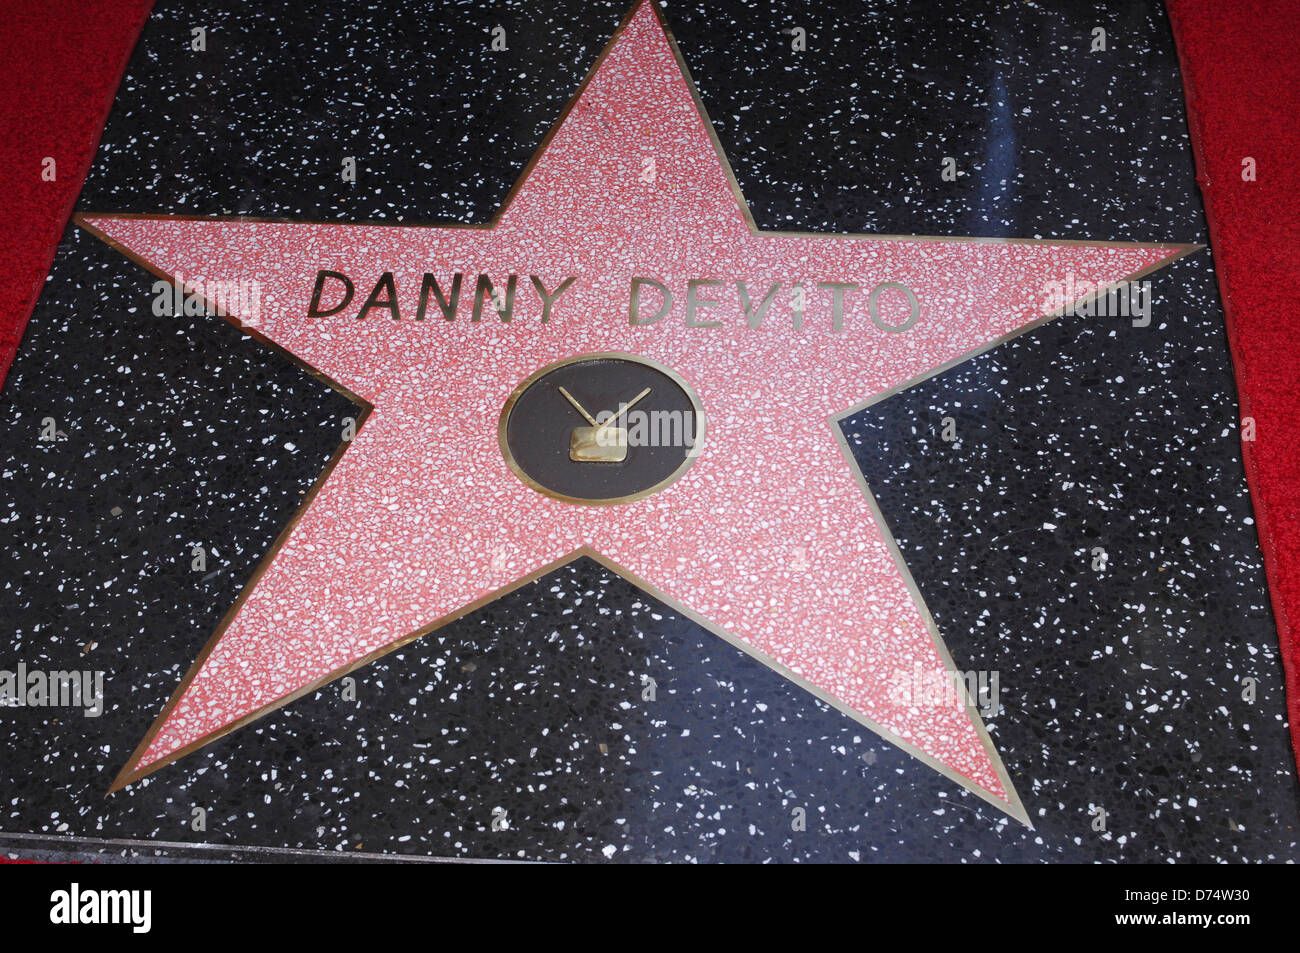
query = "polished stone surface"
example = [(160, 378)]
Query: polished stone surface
[(1119, 687)]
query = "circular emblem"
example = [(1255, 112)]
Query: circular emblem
[(599, 429)]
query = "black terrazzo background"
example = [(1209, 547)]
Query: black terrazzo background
[(1119, 688)]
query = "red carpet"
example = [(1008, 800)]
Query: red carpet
[(60, 65), (1243, 100), (61, 62)]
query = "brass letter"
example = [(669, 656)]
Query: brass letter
[(548, 300), (448, 308), (384, 283), (484, 287), (313, 310), (751, 318), (634, 305), (837, 300), (693, 303)]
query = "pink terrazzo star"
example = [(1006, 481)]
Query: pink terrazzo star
[(770, 539)]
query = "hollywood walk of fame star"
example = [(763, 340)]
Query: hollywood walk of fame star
[(770, 538)]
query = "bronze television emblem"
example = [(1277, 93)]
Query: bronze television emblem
[(643, 428)]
